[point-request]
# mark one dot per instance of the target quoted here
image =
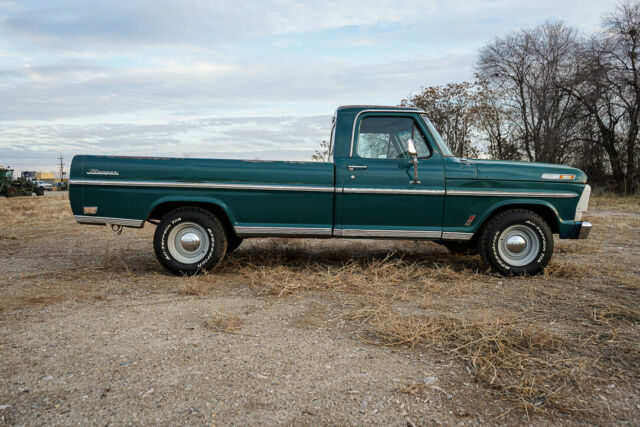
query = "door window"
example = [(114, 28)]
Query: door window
[(386, 138)]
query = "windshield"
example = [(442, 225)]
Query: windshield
[(444, 148)]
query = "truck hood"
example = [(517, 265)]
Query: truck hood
[(525, 171)]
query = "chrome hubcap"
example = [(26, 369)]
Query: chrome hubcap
[(519, 245), (516, 244), (188, 242)]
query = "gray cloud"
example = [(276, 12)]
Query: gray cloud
[(289, 138), (219, 78)]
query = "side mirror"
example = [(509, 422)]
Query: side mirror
[(411, 148)]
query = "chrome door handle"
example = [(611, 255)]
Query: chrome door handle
[(353, 167)]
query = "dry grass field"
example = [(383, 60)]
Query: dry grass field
[(92, 329)]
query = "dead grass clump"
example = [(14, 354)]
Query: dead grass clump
[(617, 275), (568, 270), (298, 267), (612, 201), (113, 262), (223, 323), (589, 246), (606, 312), (33, 210), (198, 285), (526, 365)]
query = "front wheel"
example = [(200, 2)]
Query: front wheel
[(516, 242), (189, 241)]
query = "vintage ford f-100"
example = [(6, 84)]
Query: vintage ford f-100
[(391, 176)]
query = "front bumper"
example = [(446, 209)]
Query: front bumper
[(585, 229)]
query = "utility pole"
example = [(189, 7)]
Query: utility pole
[(61, 168)]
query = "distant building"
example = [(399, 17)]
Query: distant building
[(30, 175), (45, 176)]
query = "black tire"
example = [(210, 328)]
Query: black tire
[(12, 192), (233, 242), (39, 191), (528, 229), (462, 248), (210, 234)]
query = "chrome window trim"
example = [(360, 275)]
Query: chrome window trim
[(86, 219), (500, 193), (369, 190), (355, 121), (211, 185), (282, 231), (455, 235), (414, 234), (332, 137)]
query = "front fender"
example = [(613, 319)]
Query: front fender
[(461, 209), (517, 203)]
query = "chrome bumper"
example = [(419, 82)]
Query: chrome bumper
[(585, 229)]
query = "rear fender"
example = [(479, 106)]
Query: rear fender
[(185, 201)]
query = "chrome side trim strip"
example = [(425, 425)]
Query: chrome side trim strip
[(416, 234), (454, 235), (499, 193), (355, 121), (363, 190), (282, 231), (85, 219), (212, 185)]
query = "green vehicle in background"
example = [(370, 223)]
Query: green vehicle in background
[(10, 187), (390, 176)]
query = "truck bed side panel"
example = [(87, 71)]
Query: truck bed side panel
[(253, 193)]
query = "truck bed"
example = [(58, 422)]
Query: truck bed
[(254, 194)]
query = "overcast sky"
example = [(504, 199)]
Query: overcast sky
[(232, 79)]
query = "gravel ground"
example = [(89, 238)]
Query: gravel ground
[(152, 361), (93, 331)]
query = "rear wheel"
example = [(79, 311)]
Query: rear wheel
[(516, 242), (39, 191), (12, 192), (190, 241)]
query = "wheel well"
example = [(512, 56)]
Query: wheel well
[(544, 211), (164, 208)]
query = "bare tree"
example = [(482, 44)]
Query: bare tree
[(322, 154), (623, 39), (453, 111), (607, 84), (526, 66), (496, 123)]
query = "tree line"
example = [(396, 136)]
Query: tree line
[(551, 94)]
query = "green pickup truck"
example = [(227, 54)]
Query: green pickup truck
[(390, 176)]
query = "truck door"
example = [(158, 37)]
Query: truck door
[(379, 195)]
